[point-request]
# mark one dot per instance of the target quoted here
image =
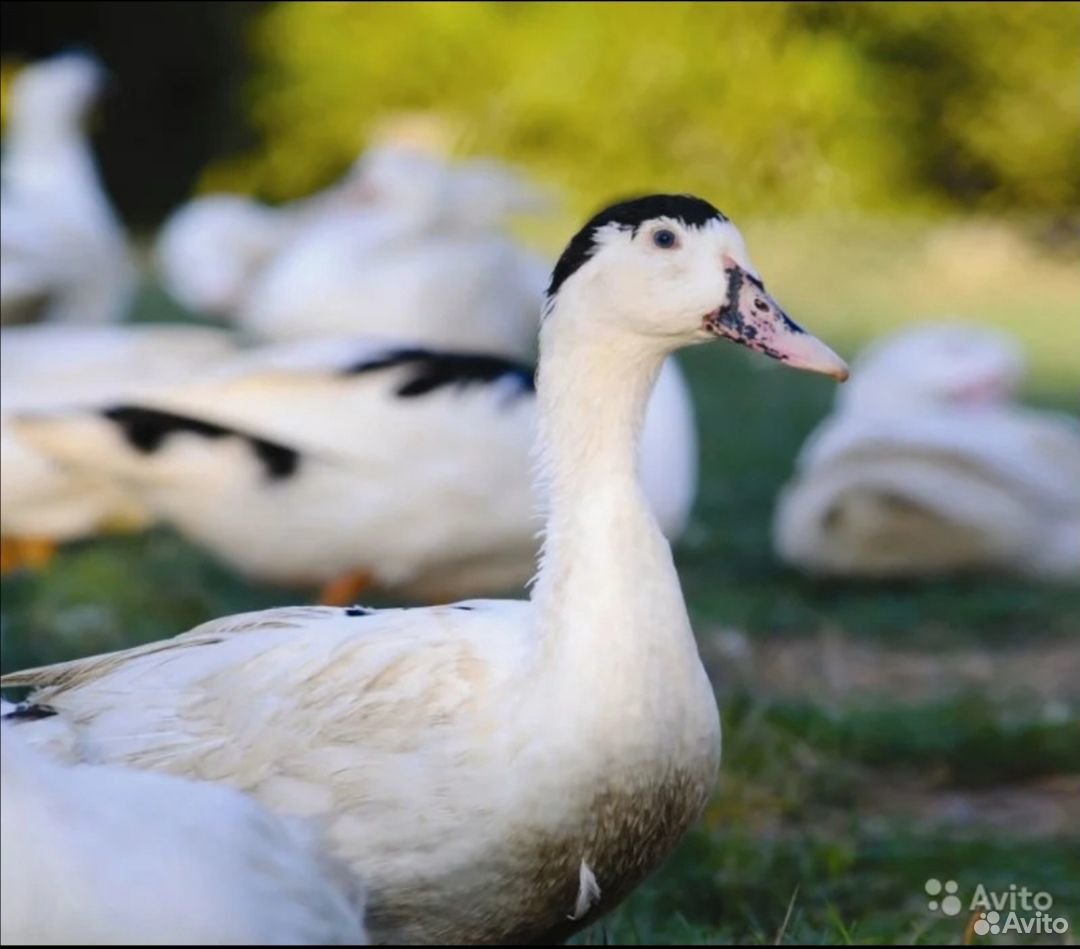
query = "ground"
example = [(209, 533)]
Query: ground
[(876, 736)]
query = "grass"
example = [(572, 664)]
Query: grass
[(795, 811), (840, 793)]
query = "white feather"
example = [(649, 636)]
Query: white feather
[(102, 855)]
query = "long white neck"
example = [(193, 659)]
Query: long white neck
[(609, 606)]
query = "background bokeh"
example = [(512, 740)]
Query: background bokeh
[(888, 162), (781, 107)]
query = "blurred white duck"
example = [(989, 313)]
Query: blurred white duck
[(928, 466), (433, 193), (63, 254), (43, 502), (101, 855), (927, 366), (363, 257), (211, 249), (411, 248), (496, 771), (352, 463)]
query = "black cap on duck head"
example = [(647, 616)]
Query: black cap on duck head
[(630, 213)]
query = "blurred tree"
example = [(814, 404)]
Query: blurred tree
[(777, 107), (177, 68), (985, 94), (602, 98)]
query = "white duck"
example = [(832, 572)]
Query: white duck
[(213, 250), (46, 366), (927, 466), (352, 463), (63, 254), (409, 248), (495, 771), (101, 855), (210, 250)]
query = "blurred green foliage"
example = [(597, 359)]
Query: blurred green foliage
[(778, 107)]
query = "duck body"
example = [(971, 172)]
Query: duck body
[(956, 491), (47, 366), (385, 275), (65, 256), (211, 249), (103, 855), (301, 463), (927, 466), (494, 771), (438, 801), (408, 246)]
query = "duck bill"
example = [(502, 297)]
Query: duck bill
[(755, 320)]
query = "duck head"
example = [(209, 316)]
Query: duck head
[(673, 270), (58, 92)]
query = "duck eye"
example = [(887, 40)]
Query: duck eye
[(664, 238)]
